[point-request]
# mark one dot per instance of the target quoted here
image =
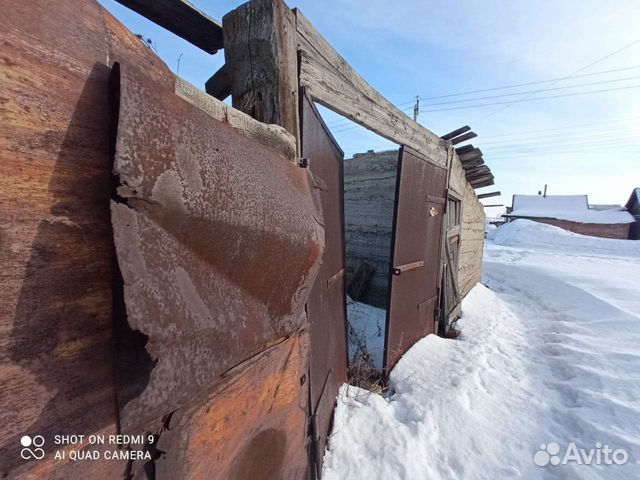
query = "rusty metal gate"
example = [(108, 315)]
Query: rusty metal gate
[(415, 253), (218, 242), (326, 308)]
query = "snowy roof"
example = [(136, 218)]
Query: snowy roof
[(574, 208)]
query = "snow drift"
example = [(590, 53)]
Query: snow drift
[(527, 233), (549, 353)]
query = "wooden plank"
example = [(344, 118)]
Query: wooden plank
[(486, 183), (183, 19), (455, 133), (463, 138), (472, 164), (489, 195), (483, 170), (219, 85), (479, 179), (473, 171), (478, 175), (475, 153), (482, 182), (332, 82), (464, 149), (260, 51)]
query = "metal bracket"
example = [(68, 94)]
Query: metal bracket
[(407, 266)]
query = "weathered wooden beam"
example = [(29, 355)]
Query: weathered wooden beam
[(260, 52), (489, 194), (332, 82), (475, 153), (475, 165), (478, 175), (485, 183), (467, 164), (476, 171), (455, 133), (183, 19), (472, 163), (465, 149), (475, 181), (462, 138), (219, 85)]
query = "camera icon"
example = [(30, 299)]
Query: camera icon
[(32, 447)]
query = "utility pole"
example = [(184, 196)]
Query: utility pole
[(416, 109)]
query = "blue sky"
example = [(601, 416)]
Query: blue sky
[(577, 144)]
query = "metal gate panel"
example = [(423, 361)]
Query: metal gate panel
[(57, 245), (251, 427), (218, 243), (415, 253), (326, 308)]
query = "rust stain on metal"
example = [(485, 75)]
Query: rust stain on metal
[(217, 241), (416, 234), (251, 427), (57, 245), (326, 308)]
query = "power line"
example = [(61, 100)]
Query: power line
[(571, 75), (576, 147), (515, 85), (562, 127), (543, 146), (562, 136), (529, 99), (521, 93)]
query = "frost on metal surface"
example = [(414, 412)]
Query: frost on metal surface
[(217, 242)]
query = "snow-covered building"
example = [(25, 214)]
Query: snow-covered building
[(573, 213), (633, 207)]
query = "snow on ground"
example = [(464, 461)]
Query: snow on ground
[(549, 352), (366, 333)]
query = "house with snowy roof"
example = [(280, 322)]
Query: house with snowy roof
[(573, 213)]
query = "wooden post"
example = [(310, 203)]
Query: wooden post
[(260, 53)]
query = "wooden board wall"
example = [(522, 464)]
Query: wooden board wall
[(471, 241), (472, 231)]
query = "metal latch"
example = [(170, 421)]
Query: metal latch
[(407, 266)]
